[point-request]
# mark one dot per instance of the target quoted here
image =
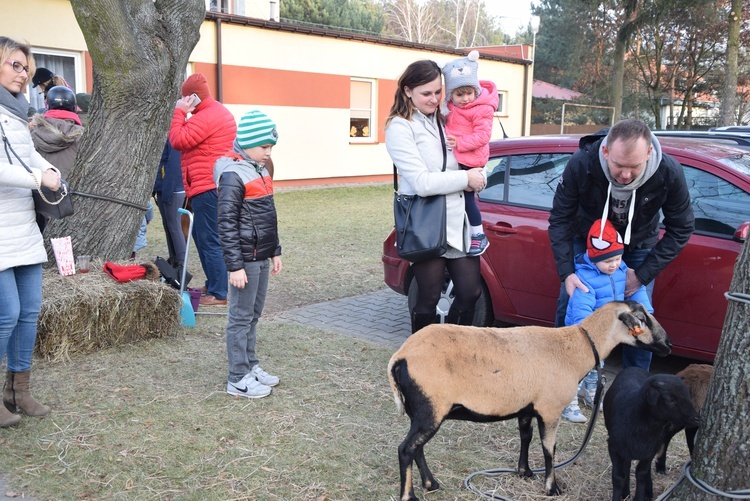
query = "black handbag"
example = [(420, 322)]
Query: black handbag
[(420, 221), (47, 203)]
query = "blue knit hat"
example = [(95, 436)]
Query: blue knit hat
[(256, 129)]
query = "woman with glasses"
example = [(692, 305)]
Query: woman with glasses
[(21, 246)]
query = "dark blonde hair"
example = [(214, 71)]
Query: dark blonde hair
[(53, 82), (417, 73), (8, 46)]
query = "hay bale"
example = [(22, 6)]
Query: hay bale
[(84, 313)]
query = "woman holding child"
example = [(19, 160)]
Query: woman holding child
[(415, 140)]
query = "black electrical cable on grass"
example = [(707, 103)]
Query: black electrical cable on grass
[(589, 431)]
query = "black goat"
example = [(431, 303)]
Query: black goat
[(638, 411)]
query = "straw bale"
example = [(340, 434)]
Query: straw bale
[(83, 313)]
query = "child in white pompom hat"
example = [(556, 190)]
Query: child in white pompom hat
[(471, 104)]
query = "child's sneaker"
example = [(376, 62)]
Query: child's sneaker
[(588, 399), (248, 387), (573, 413), (262, 376), (479, 244)]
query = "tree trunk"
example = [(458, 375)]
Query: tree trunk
[(618, 73), (729, 100), (630, 24), (139, 51), (722, 453)]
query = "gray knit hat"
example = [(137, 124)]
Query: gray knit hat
[(256, 129), (462, 72)]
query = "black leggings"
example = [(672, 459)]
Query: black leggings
[(430, 276)]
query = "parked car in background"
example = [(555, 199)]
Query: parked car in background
[(732, 128), (519, 280), (737, 139)]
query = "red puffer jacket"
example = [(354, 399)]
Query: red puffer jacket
[(206, 136)]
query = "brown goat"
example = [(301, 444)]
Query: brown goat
[(696, 377), (489, 374)]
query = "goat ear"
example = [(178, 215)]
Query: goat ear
[(652, 395), (633, 323)]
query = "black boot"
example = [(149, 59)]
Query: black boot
[(452, 316), (457, 317), (419, 320), (466, 317)]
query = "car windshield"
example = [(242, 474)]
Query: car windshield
[(740, 163)]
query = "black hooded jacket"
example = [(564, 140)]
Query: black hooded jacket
[(580, 198)]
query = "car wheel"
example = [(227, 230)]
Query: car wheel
[(482, 311)]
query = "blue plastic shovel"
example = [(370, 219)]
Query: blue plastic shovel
[(187, 314)]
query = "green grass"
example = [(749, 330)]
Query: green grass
[(151, 420)]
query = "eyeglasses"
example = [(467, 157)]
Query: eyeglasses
[(18, 67)]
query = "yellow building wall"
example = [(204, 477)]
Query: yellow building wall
[(314, 141), (42, 23)]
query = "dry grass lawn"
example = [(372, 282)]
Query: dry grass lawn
[(150, 420)]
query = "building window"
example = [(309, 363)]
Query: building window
[(502, 103), (60, 63), (226, 6), (361, 110)]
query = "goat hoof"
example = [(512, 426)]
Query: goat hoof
[(431, 486), (526, 474), (554, 491)]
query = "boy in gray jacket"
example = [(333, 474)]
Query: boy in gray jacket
[(248, 232)]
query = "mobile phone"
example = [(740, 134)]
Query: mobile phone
[(196, 100)]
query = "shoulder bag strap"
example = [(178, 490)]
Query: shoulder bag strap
[(445, 157), (7, 145)]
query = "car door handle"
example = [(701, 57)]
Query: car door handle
[(508, 230)]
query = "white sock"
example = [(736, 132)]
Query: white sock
[(476, 230)]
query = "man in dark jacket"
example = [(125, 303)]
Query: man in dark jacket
[(621, 175), (170, 196)]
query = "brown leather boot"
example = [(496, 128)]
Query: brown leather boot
[(7, 418), (17, 395)]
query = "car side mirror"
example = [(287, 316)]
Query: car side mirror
[(741, 234)]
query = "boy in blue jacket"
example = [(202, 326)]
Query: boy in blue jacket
[(248, 231), (603, 272)]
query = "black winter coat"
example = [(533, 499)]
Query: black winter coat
[(580, 198), (248, 228)]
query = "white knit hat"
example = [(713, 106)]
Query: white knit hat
[(256, 129), (462, 72)]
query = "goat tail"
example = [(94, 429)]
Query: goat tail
[(393, 369)]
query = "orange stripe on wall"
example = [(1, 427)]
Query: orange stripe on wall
[(209, 71), (386, 91), (262, 86), (89, 71)]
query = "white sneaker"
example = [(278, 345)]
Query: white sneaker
[(248, 387), (262, 376), (573, 413)]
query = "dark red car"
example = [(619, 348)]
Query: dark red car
[(519, 280)]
